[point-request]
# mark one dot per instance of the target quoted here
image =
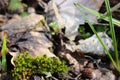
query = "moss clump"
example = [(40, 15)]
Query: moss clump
[(27, 66)]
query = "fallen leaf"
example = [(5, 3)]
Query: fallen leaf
[(36, 44), (70, 15), (92, 45), (31, 22), (23, 32)]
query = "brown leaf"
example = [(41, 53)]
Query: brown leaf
[(31, 22), (36, 44)]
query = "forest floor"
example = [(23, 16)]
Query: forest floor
[(31, 33)]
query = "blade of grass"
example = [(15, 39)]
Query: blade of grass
[(4, 50), (113, 32), (99, 15), (99, 38)]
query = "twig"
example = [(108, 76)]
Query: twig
[(116, 7), (61, 21)]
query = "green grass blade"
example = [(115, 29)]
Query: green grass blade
[(112, 31), (4, 50), (99, 38), (99, 15)]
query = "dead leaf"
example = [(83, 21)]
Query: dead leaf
[(36, 44), (31, 22), (70, 14), (92, 45)]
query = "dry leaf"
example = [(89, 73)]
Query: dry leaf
[(36, 44), (23, 24), (70, 15), (92, 45)]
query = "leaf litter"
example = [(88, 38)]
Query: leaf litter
[(24, 34)]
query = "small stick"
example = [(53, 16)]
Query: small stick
[(117, 6), (61, 21)]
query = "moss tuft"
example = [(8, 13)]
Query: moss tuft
[(27, 66)]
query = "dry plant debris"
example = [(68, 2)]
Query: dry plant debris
[(70, 16), (31, 33)]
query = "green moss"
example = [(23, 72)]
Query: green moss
[(26, 66)]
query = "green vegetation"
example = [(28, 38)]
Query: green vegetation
[(99, 15), (15, 5), (4, 50), (112, 31), (25, 66), (116, 62), (23, 14), (85, 34), (54, 26)]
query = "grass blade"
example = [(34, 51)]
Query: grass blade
[(99, 15), (4, 50), (113, 32), (99, 38)]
